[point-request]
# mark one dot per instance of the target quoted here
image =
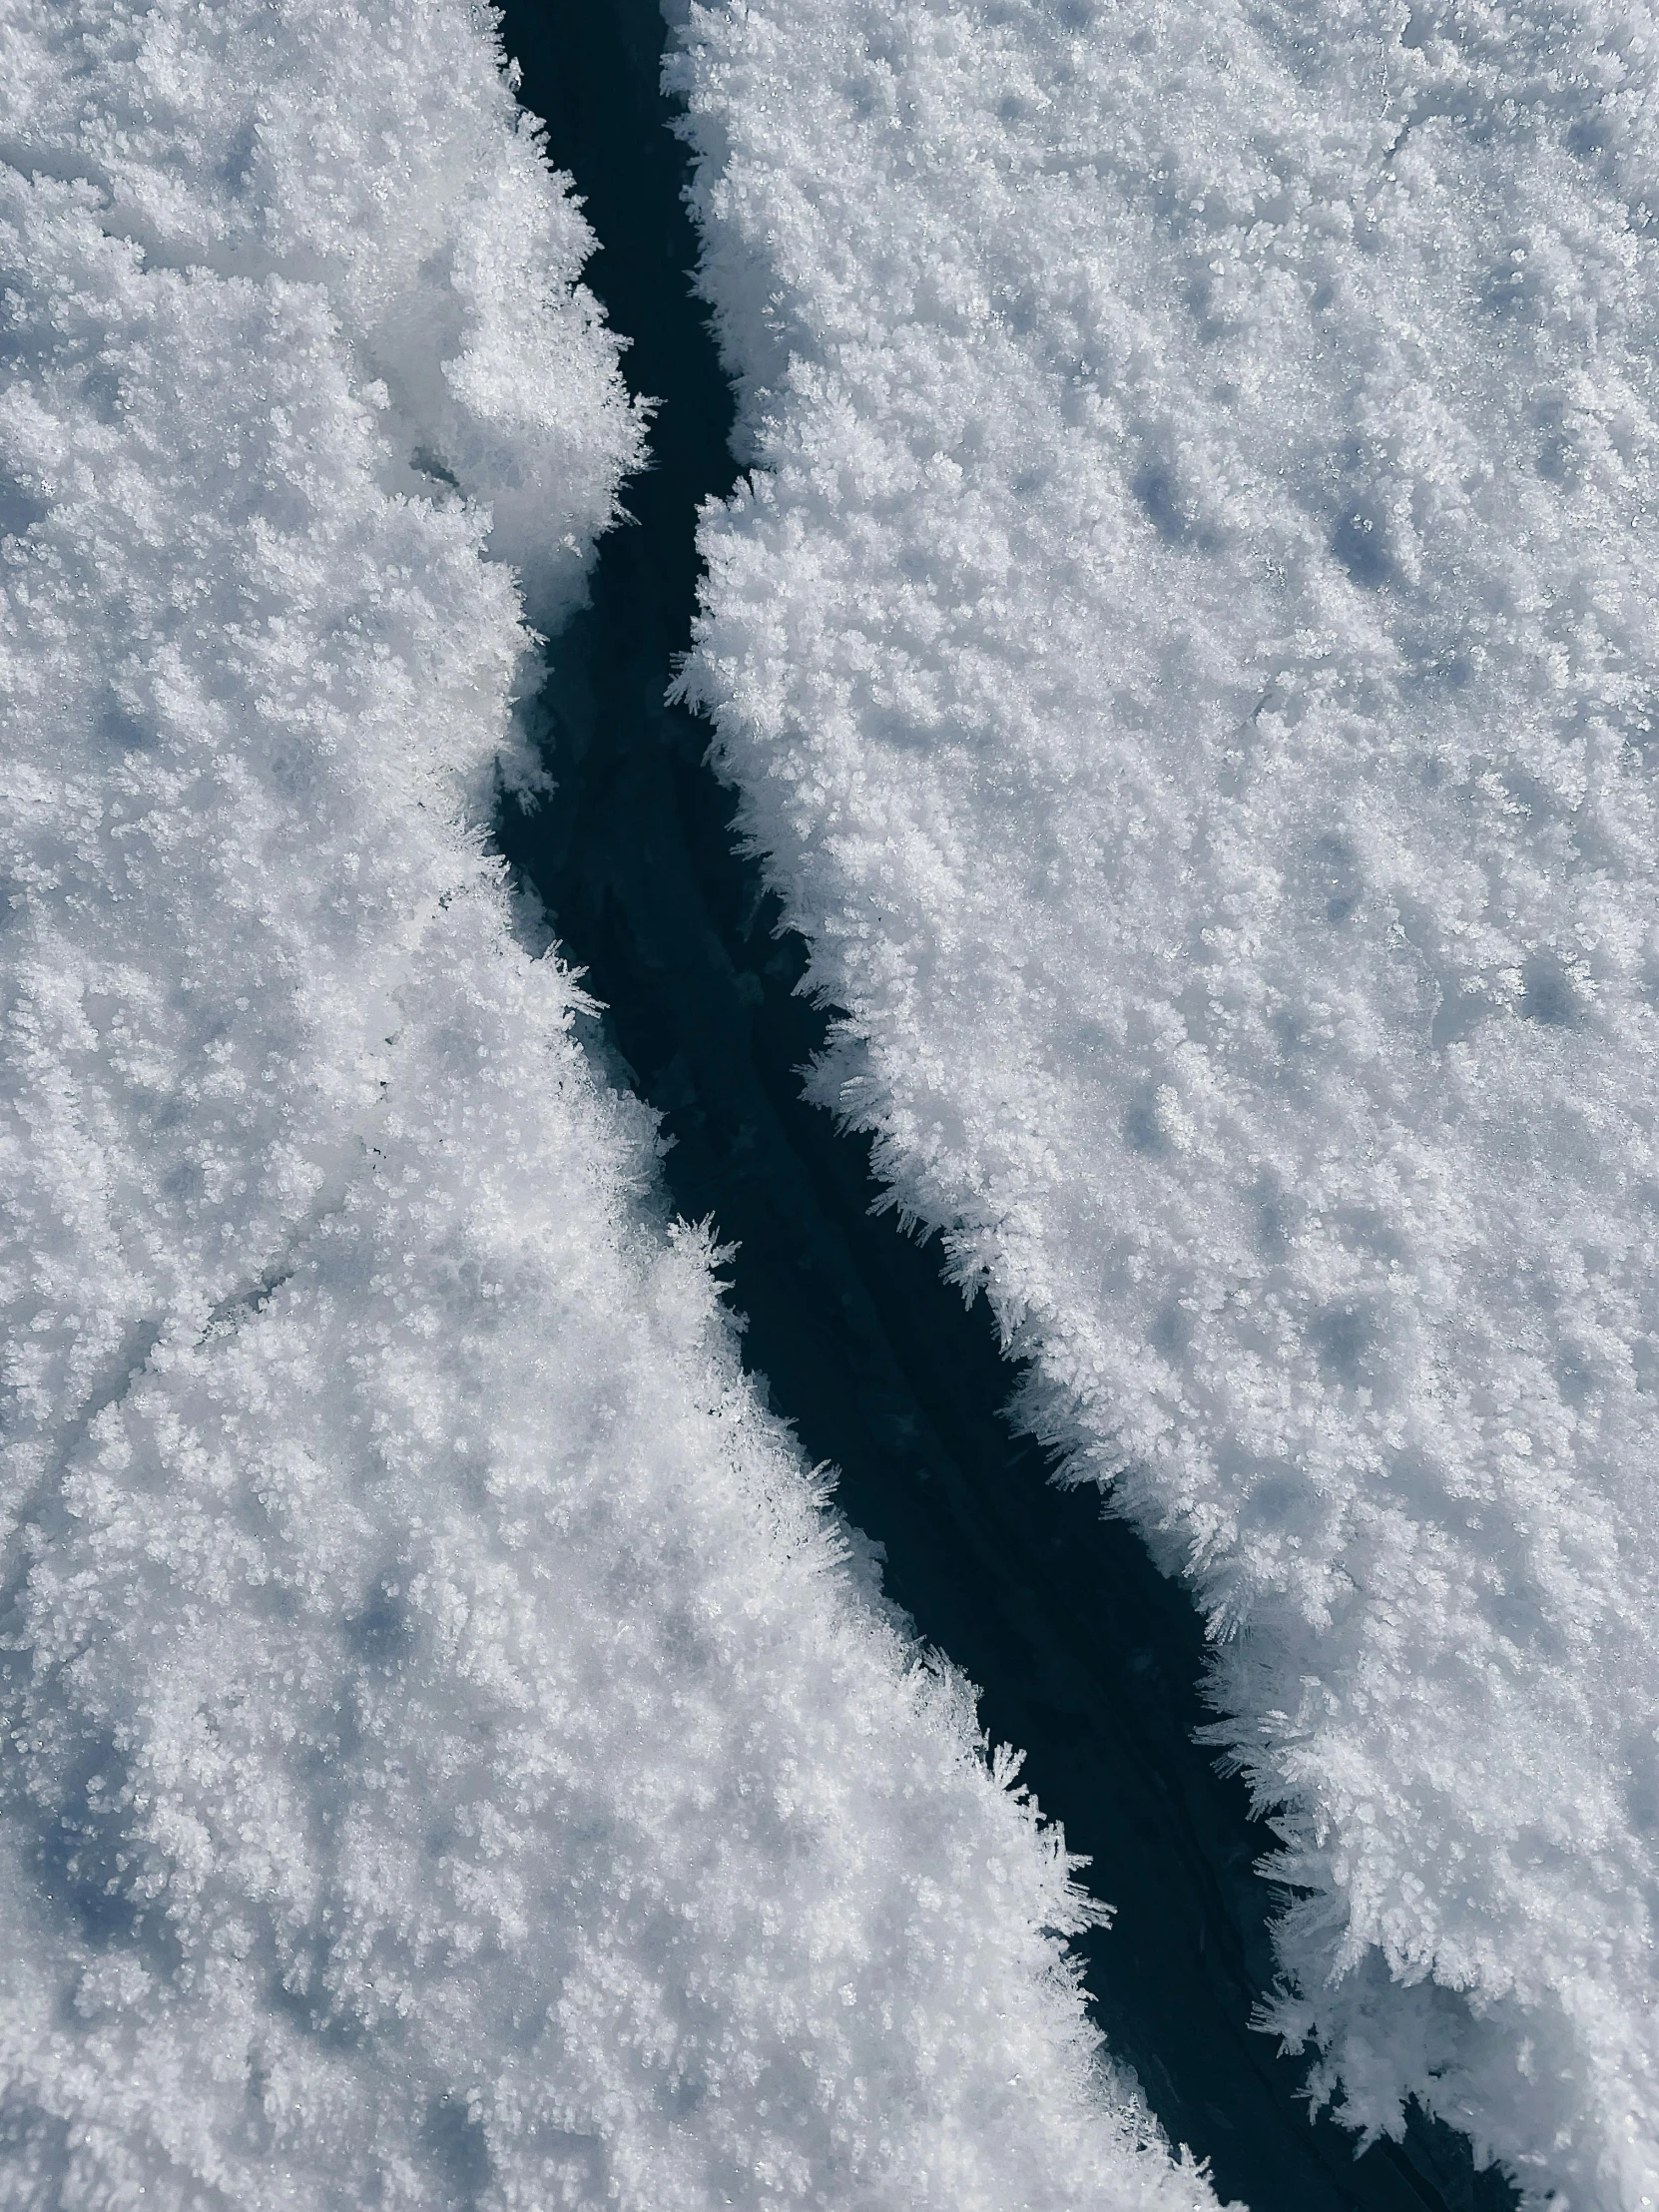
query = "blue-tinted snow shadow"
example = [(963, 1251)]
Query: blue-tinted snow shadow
[(1087, 1657)]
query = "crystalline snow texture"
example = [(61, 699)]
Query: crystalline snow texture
[(448, 1759), (1189, 654)]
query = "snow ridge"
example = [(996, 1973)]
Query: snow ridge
[(450, 1757), (1186, 653)]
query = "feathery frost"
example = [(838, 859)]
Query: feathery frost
[(1187, 652), (449, 1758)]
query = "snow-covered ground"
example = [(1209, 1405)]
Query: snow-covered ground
[(449, 1755), (1188, 652)]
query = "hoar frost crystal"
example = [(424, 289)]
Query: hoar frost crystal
[(1188, 654), (448, 1756)]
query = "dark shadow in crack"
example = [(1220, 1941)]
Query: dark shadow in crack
[(1088, 1659)]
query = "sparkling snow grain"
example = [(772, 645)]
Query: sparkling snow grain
[(1188, 652), (449, 1759)]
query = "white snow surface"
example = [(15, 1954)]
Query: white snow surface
[(1188, 652), (450, 1756)]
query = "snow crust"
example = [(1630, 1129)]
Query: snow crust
[(1188, 654), (451, 1755)]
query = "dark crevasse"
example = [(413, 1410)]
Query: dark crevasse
[(1087, 1657)]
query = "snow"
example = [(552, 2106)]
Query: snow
[(452, 1754), (1186, 652)]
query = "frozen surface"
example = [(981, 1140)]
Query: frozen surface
[(1188, 652), (449, 1758)]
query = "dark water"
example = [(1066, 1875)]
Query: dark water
[(1087, 1657)]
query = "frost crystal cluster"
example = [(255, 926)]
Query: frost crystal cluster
[(1188, 652), (448, 1757)]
